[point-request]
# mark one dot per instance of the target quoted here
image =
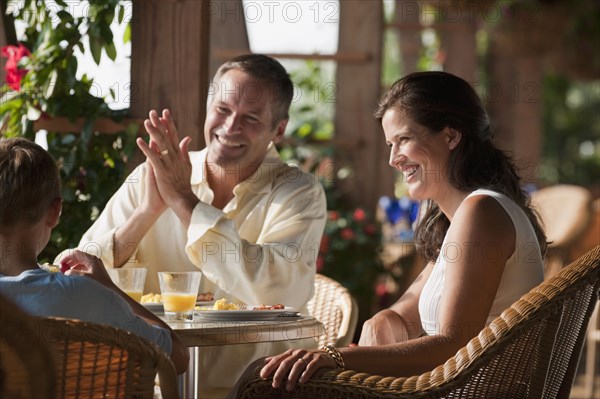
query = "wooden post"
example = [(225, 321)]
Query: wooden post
[(459, 45), (169, 62), (7, 35), (527, 123), (358, 91), (407, 21), (227, 31)]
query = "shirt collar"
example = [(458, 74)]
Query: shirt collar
[(258, 182)]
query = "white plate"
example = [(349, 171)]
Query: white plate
[(158, 307), (153, 306), (243, 314)]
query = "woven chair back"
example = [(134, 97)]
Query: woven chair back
[(26, 363), (333, 305), (531, 351), (100, 361)]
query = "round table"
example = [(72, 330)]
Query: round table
[(202, 332)]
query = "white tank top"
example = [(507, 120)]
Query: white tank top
[(523, 270)]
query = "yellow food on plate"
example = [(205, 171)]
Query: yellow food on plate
[(151, 298), (222, 304), (50, 268)]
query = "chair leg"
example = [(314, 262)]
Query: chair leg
[(593, 338)]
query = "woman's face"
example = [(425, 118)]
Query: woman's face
[(420, 154)]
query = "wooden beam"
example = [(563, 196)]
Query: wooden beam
[(416, 26), (225, 54), (358, 91), (460, 48), (409, 30), (101, 125), (227, 31), (169, 62)]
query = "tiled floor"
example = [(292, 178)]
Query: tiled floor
[(577, 392)]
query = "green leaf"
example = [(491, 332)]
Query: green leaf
[(127, 34), (96, 49), (111, 51), (51, 84), (106, 33), (121, 14), (71, 69), (65, 16), (7, 105)]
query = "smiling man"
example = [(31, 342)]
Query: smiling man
[(251, 223)]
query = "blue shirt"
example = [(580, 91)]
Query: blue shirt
[(45, 294)]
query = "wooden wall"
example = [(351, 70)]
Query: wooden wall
[(228, 34), (178, 45), (169, 62), (358, 89)]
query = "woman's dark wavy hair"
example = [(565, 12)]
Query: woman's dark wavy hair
[(437, 100)]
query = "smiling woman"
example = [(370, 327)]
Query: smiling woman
[(479, 235)]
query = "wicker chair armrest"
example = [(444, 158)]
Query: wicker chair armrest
[(336, 383), (542, 304), (167, 377)]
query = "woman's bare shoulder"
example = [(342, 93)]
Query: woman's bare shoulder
[(482, 220)]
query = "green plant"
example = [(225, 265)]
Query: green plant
[(92, 166), (571, 147), (349, 254), (349, 250)]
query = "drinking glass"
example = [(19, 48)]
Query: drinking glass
[(129, 280), (179, 291)]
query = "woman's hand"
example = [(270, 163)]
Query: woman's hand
[(79, 263), (297, 365)]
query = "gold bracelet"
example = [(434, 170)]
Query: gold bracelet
[(336, 355)]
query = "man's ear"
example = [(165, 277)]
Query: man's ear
[(54, 211), (452, 137), (280, 130)]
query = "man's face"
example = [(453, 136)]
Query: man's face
[(239, 123)]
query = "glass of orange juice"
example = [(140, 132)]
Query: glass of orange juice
[(129, 280), (179, 291)]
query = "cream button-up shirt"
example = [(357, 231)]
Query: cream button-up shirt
[(260, 249)]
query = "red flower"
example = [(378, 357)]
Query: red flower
[(324, 244), (370, 229), (320, 263), (13, 73), (380, 290), (359, 215), (333, 215), (347, 233)]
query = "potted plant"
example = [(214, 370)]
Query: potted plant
[(43, 91)]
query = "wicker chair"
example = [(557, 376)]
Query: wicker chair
[(26, 363), (333, 306), (530, 351), (100, 361), (565, 211)]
